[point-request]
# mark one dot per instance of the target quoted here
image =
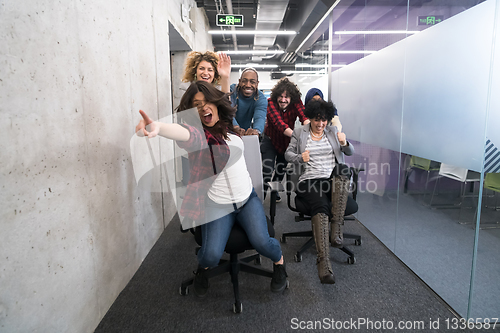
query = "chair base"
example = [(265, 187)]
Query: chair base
[(310, 242), (232, 266)]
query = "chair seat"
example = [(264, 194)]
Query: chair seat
[(302, 207), (238, 241)]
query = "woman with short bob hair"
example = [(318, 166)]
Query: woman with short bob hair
[(319, 150)]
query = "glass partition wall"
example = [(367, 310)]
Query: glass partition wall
[(414, 84)]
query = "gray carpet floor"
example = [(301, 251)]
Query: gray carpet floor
[(377, 289), (438, 248)]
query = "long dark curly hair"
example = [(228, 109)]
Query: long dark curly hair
[(285, 85), (320, 109), (212, 95)]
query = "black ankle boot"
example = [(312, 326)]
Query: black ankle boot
[(200, 282), (278, 281)]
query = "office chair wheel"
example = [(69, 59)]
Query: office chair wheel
[(184, 291), (237, 307), (258, 261), (351, 260), (283, 239), (357, 242), (297, 257)]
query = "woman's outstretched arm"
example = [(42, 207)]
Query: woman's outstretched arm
[(169, 131)]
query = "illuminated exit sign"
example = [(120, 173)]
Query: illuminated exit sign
[(430, 20), (224, 20)]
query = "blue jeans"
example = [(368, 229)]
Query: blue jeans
[(251, 218)]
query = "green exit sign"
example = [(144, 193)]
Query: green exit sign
[(224, 20), (430, 20)]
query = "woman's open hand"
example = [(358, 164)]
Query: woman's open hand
[(224, 66), (140, 129)]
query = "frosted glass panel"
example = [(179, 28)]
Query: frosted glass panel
[(444, 81), (446, 87), (369, 94), (486, 290), (433, 95)]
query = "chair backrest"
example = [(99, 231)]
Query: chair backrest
[(423, 163), (419, 162), (492, 181), (253, 161), (453, 172)]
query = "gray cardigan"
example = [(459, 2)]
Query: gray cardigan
[(298, 142)]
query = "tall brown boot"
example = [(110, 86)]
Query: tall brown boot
[(339, 202), (320, 233)]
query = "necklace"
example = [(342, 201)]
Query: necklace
[(317, 136)]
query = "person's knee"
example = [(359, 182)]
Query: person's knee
[(321, 209), (264, 244), (211, 257)]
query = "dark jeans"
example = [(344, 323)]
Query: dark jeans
[(317, 194), (272, 161), (251, 217)]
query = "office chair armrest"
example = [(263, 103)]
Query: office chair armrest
[(355, 174), (275, 188)]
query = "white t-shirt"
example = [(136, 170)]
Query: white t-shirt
[(233, 184)]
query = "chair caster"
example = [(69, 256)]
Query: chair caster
[(351, 260), (357, 242), (237, 307), (184, 291), (283, 239), (297, 257)]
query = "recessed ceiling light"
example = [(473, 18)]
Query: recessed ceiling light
[(343, 52), (303, 72), (315, 66), (255, 65), (375, 32), (251, 32), (253, 52), (312, 74)]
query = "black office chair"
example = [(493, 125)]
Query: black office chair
[(299, 206), (238, 241)]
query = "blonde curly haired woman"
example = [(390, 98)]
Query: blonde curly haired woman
[(210, 67)]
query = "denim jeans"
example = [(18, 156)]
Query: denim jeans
[(251, 218)]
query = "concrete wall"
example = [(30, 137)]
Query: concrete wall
[(74, 226), (199, 24)]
